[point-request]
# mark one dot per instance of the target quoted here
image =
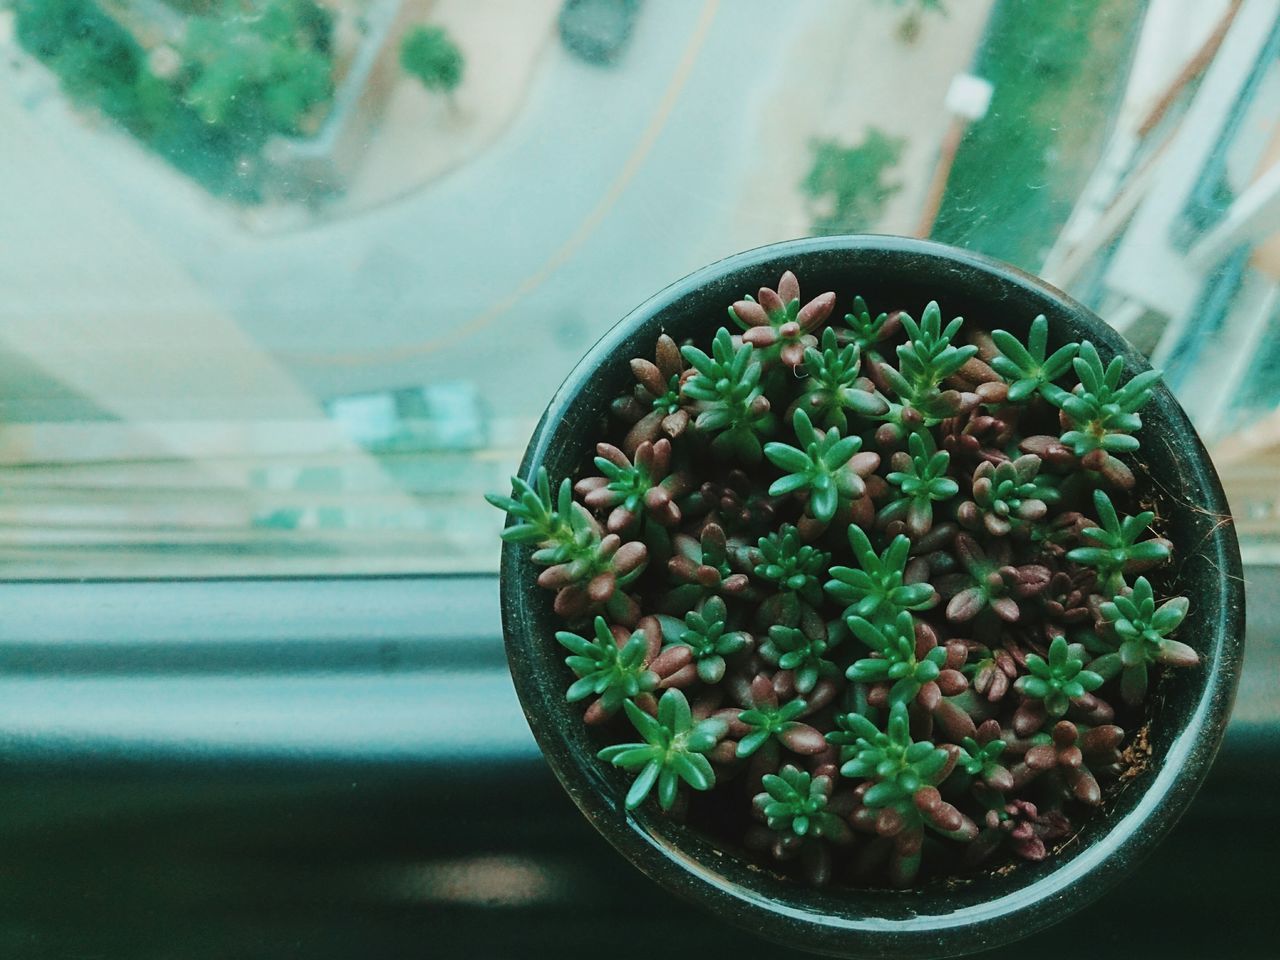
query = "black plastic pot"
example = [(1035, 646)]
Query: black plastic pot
[(1191, 707)]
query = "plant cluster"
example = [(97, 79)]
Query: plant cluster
[(871, 587)]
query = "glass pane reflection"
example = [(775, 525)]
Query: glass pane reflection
[(285, 283)]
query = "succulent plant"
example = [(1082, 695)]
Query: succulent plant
[(821, 469), (794, 802), (1067, 602), (878, 591), (936, 689), (980, 758), (728, 398), (897, 662), (1116, 549), (921, 479), (990, 580), (705, 631), (866, 332), (993, 673), (1099, 415), (1136, 637), (747, 507), (925, 361), (1006, 497), (654, 407), (585, 567), (1026, 369), (835, 390), (674, 750), (803, 650), (1023, 826), (900, 797), (793, 566), (1058, 679), (777, 324), (702, 568), (634, 489), (1068, 756), (768, 721), (612, 665), (800, 819)]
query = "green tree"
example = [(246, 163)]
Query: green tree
[(430, 54), (259, 72), (850, 181)]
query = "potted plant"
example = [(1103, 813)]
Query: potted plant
[(862, 586)]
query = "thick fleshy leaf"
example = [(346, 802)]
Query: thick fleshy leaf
[(788, 458), (788, 484), (581, 689), (1177, 654), (706, 734), (711, 669), (1033, 687), (668, 786), (966, 604), (824, 503), (868, 671), (752, 742), (674, 713), (633, 756), (841, 452), (860, 726), (575, 644), (1107, 666), (880, 794), (1089, 680), (642, 785), (858, 768), (1149, 550), (1133, 684), (802, 738), (649, 728), (1170, 615)]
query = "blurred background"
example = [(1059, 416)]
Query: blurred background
[(284, 286)]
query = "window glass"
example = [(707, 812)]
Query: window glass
[(284, 284)]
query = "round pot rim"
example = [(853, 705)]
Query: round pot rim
[(1061, 890)]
